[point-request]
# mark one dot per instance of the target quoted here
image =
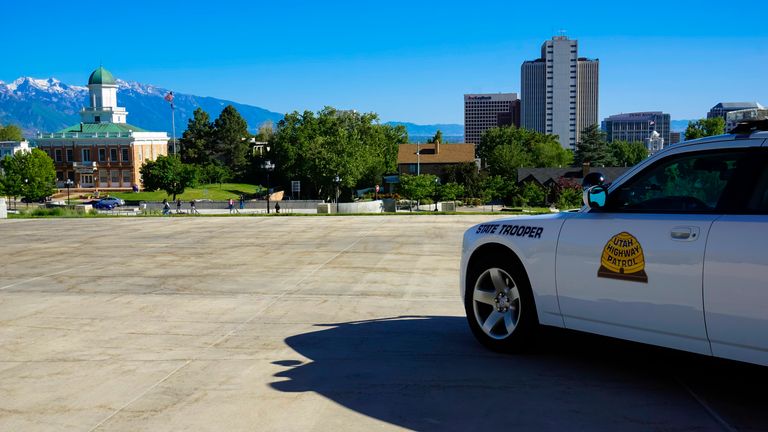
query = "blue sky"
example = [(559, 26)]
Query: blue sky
[(406, 60)]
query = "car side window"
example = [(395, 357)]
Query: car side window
[(688, 183), (758, 202)]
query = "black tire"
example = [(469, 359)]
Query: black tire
[(499, 303)]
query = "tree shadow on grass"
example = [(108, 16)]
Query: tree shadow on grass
[(428, 373)]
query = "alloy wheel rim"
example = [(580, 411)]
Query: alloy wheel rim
[(496, 303)]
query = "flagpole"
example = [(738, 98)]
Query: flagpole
[(173, 126)]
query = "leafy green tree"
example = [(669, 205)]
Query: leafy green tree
[(213, 172), (451, 191), (465, 174), (30, 175), (196, 140), (168, 173), (314, 148), (11, 133), (417, 187), (704, 128), (230, 138), (593, 148), (532, 194), (628, 153), (505, 149), (495, 187)]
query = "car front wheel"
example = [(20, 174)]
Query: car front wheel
[(499, 306)]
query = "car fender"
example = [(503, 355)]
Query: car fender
[(534, 240)]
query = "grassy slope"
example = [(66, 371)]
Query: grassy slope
[(217, 192)]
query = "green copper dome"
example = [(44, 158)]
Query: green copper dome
[(101, 76)]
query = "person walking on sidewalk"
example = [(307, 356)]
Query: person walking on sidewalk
[(166, 208), (193, 208), (178, 206), (231, 205)]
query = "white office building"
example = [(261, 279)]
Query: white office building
[(559, 91)]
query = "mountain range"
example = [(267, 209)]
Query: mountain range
[(49, 105)]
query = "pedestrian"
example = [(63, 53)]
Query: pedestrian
[(231, 205), (178, 206), (193, 208), (242, 202), (166, 208), (277, 207)]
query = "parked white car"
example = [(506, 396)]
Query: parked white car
[(672, 253)]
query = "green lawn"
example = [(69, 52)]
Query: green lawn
[(216, 192)]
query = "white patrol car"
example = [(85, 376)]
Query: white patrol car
[(673, 253)]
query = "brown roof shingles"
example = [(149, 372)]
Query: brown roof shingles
[(448, 153)]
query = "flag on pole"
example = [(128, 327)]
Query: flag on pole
[(169, 98)]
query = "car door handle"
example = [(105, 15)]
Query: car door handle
[(685, 233)]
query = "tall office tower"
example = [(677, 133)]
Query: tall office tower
[(485, 111), (559, 91)]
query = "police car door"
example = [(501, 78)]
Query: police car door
[(633, 269), (736, 274)]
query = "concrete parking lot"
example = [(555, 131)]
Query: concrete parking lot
[(307, 324)]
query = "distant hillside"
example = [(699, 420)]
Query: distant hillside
[(48, 105), (421, 133)]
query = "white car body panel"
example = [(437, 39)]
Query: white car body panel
[(536, 253), (665, 310), (708, 295), (736, 288)]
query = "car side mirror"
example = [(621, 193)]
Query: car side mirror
[(593, 179), (595, 196)]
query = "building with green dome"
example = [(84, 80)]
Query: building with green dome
[(103, 151)]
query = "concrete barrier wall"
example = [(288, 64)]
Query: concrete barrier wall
[(3, 209), (360, 207)]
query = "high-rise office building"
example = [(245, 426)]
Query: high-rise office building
[(559, 91), (485, 111), (637, 127)]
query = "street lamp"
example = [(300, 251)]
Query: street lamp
[(337, 181), (26, 190), (437, 182), (268, 166), (68, 184)]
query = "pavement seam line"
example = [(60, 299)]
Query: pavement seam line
[(711, 411), (224, 337), (41, 277)]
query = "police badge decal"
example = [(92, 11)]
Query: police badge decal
[(623, 259)]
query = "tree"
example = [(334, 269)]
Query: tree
[(628, 153), (196, 140), (451, 191), (30, 175), (465, 174), (592, 148), (266, 131), (532, 194), (315, 148), (704, 128), (505, 149), (168, 173), (567, 193), (230, 138), (417, 187), (438, 138), (11, 133)]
